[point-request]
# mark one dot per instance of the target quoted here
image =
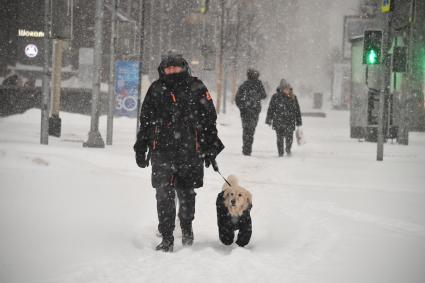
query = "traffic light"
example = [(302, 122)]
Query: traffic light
[(201, 6), (372, 47)]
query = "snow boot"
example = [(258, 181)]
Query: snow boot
[(166, 245), (187, 236)]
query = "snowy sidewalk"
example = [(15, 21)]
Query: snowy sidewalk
[(329, 213)]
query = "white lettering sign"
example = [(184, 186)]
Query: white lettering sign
[(30, 33)]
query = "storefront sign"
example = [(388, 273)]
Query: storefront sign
[(31, 50), (30, 33)]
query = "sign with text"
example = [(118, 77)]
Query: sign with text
[(127, 84)]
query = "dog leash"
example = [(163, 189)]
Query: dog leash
[(215, 167), (223, 178)]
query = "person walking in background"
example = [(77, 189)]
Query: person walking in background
[(283, 115), (248, 100), (178, 127)]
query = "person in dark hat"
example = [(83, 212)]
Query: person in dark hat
[(284, 115), (178, 133), (248, 100)]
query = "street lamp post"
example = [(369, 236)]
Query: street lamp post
[(44, 133), (141, 58), (95, 139), (111, 92), (220, 59)]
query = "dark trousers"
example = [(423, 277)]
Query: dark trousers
[(166, 208), (249, 123), (288, 136)]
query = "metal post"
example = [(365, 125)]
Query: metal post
[(170, 6), (151, 38), (44, 133), (160, 44), (220, 60), (236, 54), (95, 139), (142, 37), (384, 84), (56, 76), (111, 87), (380, 142), (225, 89), (54, 120)]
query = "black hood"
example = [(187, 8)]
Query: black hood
[(173, 60)]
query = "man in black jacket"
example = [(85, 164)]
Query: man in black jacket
[(248, 100), (178, 127)]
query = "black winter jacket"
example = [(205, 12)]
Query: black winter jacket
[(249, 95), (178, 126), (284, 112)]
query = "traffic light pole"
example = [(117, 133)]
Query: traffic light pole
[(384, 85)]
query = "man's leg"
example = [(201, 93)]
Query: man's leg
[(279, 142), (186, 213), (247, 132), (248, 139), (166, 209)]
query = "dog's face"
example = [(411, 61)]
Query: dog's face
[(237, 199)]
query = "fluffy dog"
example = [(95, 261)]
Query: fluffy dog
[(233, 213)]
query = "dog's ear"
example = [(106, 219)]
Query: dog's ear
[(225, 193), (249, 198)]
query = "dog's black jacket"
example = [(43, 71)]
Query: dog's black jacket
[(227, 227)]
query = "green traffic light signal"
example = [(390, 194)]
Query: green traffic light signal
[(372, 57), (372, 47)]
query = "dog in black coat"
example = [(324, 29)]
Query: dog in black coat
[(234, 204)]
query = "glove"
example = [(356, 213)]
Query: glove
[(211, 161), (269, 123), (142, 160)]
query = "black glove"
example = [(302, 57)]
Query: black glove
[(142, 160), (211, 161)]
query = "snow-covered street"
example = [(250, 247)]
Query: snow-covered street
[(329, 213)]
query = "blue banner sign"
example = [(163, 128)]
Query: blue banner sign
[(127, 84)]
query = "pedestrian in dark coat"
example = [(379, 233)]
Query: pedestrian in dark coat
[(248, 100), (178, 127), (283, 115)]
